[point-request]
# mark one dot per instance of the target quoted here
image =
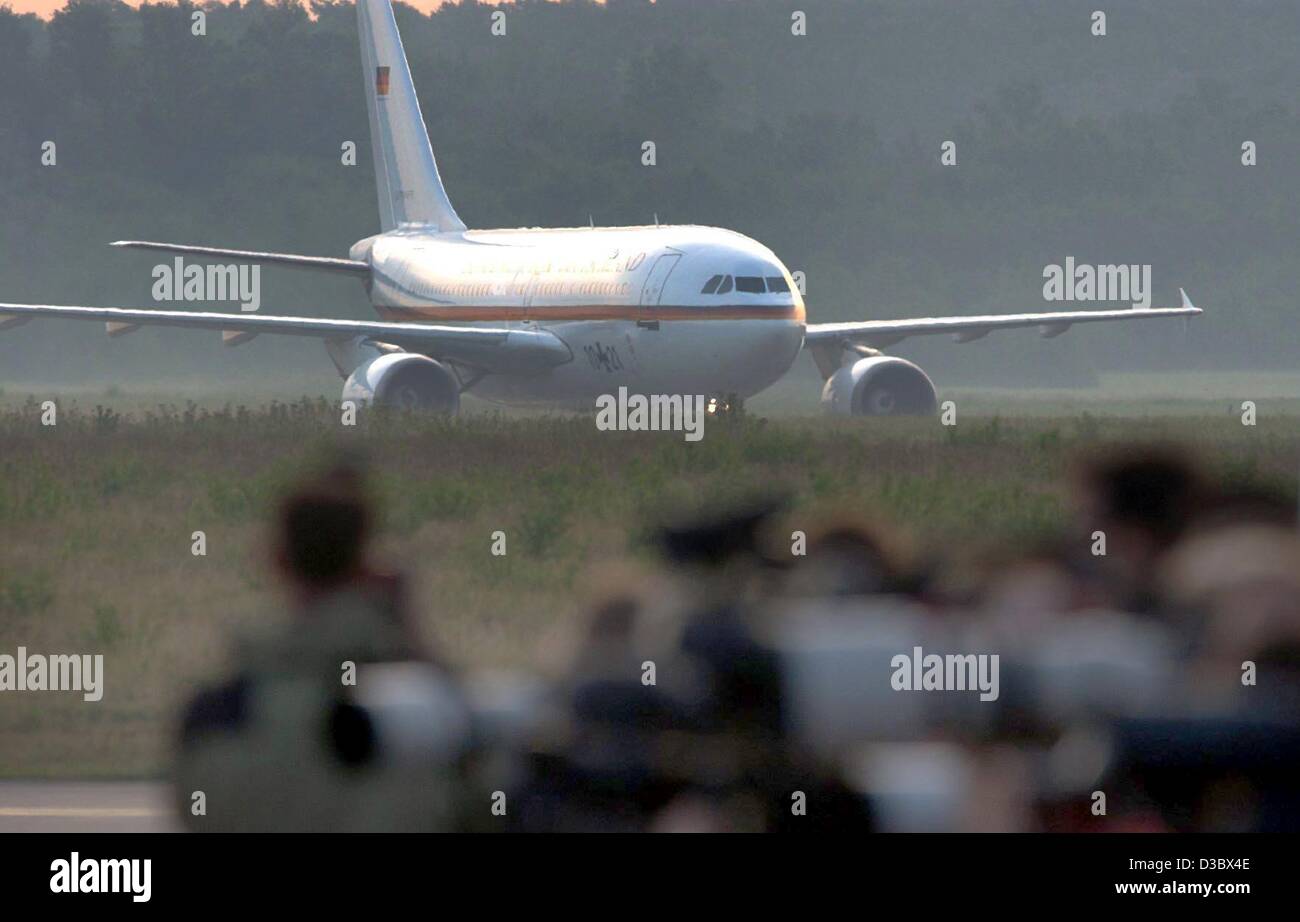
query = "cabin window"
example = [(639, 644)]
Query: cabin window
[(777, 283), (711, 285), (750, 284)]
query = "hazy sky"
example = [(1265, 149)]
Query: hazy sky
[(45, 7)]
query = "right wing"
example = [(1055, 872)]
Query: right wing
[(969, 328), (488, 349)]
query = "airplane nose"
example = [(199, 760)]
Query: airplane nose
[(772, 344)]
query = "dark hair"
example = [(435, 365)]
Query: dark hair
[(1155, 488), (323, 529)]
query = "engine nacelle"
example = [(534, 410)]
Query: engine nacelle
[(406, 381), (880, 385)]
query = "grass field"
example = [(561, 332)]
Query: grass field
[(97, 513)]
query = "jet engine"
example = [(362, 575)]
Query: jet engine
[(404, 380), (879, 385)]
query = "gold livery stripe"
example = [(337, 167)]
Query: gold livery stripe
[(592, 312)]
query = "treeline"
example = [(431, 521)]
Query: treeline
[(1123, 148)]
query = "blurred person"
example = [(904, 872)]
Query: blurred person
[(334, 718), (1142, 500), (596, 762), (674, 712), (1247, 504), (1208, 774), (848, 558), (757, 767), (1236, 590), (1022, 593)]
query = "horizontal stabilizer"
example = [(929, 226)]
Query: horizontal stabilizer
[(322, 263)]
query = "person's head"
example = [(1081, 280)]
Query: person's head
[(846, 558), (322, 530), (1148, 492)]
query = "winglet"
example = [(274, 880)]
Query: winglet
[(1187, 302)]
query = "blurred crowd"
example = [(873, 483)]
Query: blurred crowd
[(1147, 678)]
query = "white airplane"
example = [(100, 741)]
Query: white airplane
[(561, 316)]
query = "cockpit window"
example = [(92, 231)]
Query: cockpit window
[(749, 284)]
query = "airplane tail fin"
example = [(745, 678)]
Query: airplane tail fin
[(410, 189)]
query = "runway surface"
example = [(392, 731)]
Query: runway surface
[(85, 806)]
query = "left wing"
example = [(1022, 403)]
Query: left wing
[(489, 349), (966, 329)]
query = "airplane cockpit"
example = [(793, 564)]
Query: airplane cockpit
[(746, 284)]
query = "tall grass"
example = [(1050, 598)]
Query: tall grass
[(97, 513)]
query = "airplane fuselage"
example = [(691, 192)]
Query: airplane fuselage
[(659, 310), (561, 316)]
